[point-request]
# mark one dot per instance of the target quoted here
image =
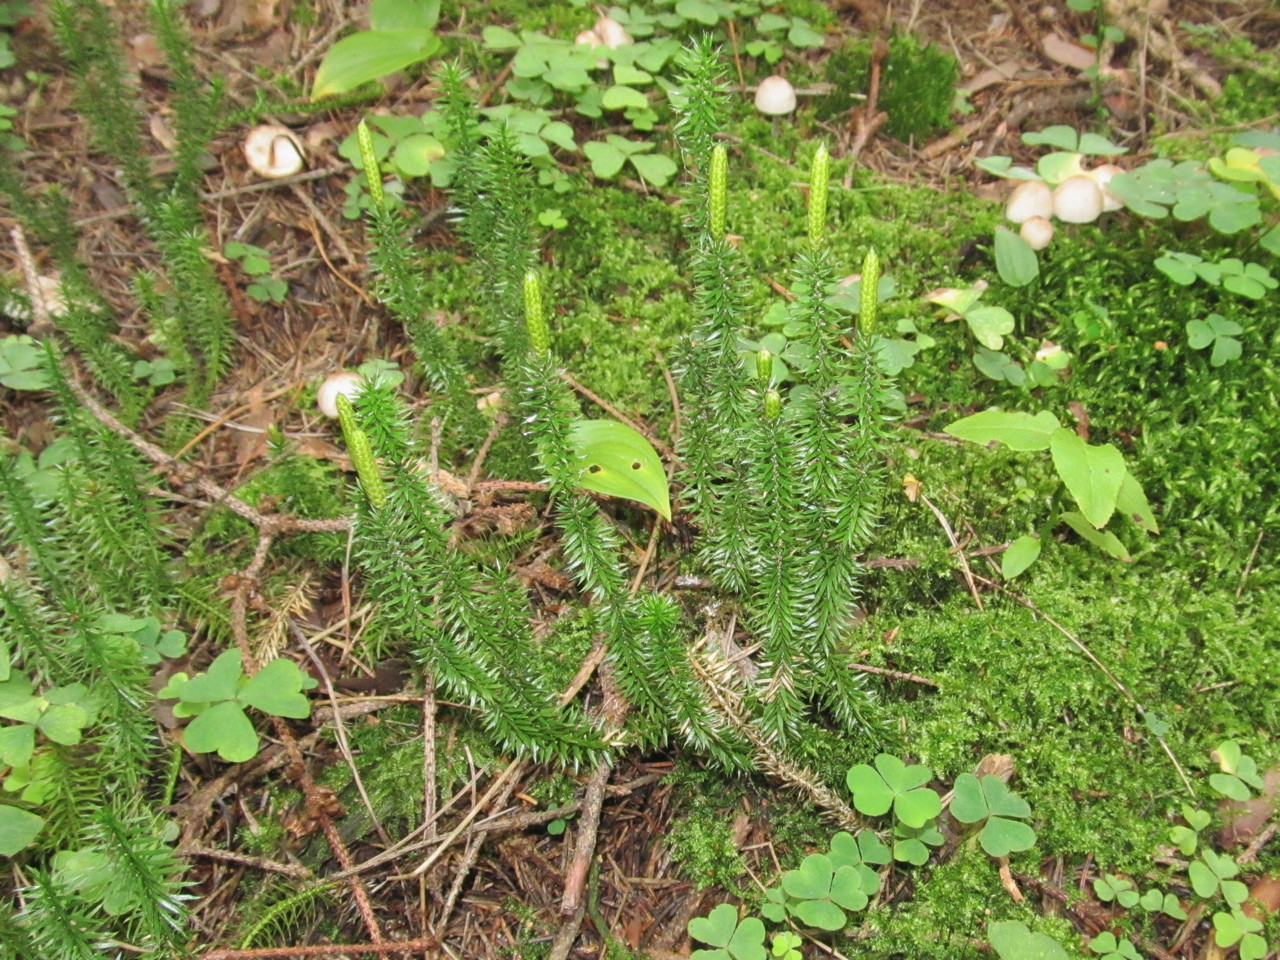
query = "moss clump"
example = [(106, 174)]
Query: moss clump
[(917, 85)]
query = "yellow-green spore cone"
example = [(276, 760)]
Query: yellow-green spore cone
[(369, 160), (819, 182), (869, 299), (534, 319), (717, 192), (361, 454)]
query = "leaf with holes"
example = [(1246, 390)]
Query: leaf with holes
[(617, 461)]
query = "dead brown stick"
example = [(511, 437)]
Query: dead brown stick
[(955, 544), (896, 674), (325, 950), (295, 870)]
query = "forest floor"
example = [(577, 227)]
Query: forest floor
[(966, 665)]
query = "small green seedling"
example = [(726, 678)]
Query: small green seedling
[(894, 784), (552, 218), (617, 461), (1157, 901), (1111, 948), (1239, 772), (992, 801), (154, 643), (256, 262), (786, 946), (60, 715), (158, 372), (218, 697), (1094, 474), (1109, 887), (732, 940), (911, 844), (1187, 838), (821, 889)]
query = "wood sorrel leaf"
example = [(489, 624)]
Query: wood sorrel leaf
[(617, 461)]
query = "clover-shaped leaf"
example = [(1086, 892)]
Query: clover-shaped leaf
[(1218, 332), (911, 844), (1213, 873), (720, 928), (786, 946), (1012, 940), (1111, 948), (217, 698), (1230, 928), (1239, 772), (892, 783), (993, 801), (1157, 901), (1109, 887)]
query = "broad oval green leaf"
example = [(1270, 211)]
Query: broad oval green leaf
[(1022, 553), (1093, 474), (1132, 502), (1015, 260), (404, 14), (1104, 540), (1015, 429), (369, 55), (619, 97), (617, 461)]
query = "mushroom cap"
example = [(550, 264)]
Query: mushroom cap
[(775, 96), (1030, 198), (611, 33), (588, 38), (1101, 175), (346, 383), (1077, 200), (273, 151), (1037, 231)]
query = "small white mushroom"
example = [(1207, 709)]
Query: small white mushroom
[(1101, 175), (346, 383), (1077, 200), (775, 96), (588, 38), (611, 33), (1037, 231), (273, 151), (1031, 198)]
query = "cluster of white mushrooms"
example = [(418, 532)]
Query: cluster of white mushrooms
[(607, 32), (1081, 198)]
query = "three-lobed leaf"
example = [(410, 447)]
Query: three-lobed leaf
[(720, 928)]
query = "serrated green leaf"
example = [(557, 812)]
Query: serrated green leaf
[(617, 461)]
